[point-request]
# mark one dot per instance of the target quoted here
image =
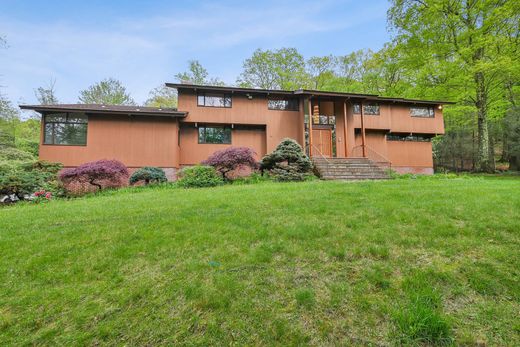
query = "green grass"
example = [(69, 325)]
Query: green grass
[(417, 261)]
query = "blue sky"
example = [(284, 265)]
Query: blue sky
[(145, 43)]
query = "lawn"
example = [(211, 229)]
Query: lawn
[(319, 263)]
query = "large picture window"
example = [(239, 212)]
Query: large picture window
[(217, 135), (368, 109), (283, 104), (214, 100), (65, 129), (425, 112)]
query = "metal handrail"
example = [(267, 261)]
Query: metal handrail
[(384, 159), (328, 162)]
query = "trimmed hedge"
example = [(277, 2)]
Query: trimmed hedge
[(287, 162), (199, 176)]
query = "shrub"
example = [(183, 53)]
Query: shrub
[(148, 174), (20, 179), (100, 174), (199, 176), (14, 154), (287, 162), (232, 158)]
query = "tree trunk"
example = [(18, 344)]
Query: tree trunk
[(484, 162), (96, 184)]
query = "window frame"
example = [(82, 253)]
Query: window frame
[(223, 95), (408, 138), (67, 115), (431, 111), (365, 113), (224, 127), (295, 102)]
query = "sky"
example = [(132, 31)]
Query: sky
[(145, 43)]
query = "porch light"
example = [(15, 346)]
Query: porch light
[(439, 107)]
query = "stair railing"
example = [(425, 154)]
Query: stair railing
[(321, 154), (373, 155)]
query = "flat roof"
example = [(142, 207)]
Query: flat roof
[(303, 92), (107, 109)]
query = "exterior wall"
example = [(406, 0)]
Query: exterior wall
[(192, 152), (411, 157), (136, 141), (397, 119), (404, 156), (279, 124)]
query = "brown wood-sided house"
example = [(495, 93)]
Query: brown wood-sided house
[(329, 125)]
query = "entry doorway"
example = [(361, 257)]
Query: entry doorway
[(322, 142)]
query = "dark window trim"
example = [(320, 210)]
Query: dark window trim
[(432, 109), (224, 95), (365, 113), (408, 137), (44, 123), (295, 100), (214, 126)]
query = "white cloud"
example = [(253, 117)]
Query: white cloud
[(146, 51)]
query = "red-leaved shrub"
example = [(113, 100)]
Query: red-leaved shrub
[(100, 174), (231, 159)]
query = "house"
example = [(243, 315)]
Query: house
[(329, 125)]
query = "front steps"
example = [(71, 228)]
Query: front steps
[(348, 169)]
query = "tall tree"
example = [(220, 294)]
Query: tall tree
[(162, 96), (109, 91), (197, 74), (279, 69), (47, 95), (477, 39), (321, 70)]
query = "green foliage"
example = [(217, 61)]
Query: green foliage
[(287, 162), (162, 96), (512, 138), (148, 174), (199, 176), (305, 298), (14, 154), (21, 178), (283, 68), (243, 254), (421, 319), (109, 91), (47, 95), (198, 74)]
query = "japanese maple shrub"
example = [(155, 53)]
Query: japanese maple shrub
[(227, 160), (100, 174), (287, 162), (148, 174)]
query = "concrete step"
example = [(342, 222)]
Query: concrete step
[(349, 169)]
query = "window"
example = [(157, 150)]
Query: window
[(218, 135), (65, 129), (409, 137), (214, 100), (426, 112), (368, 109), (283, 104)]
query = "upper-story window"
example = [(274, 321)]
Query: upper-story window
[(65, 129), (215, 134), (369, 108), (427, 112), (214, 100), (282, 104), (408, 137)]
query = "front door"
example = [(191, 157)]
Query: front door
[(322, 142)]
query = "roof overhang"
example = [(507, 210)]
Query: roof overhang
[(107, 109), (303, 92)]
